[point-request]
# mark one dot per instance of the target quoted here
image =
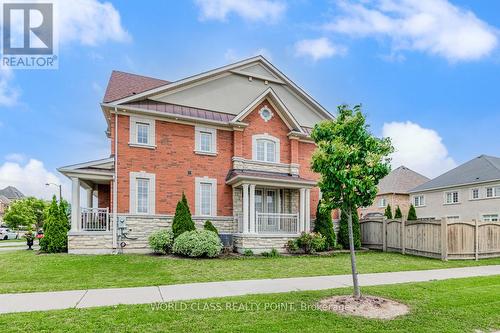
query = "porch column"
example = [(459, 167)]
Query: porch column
[(302, 195), (308, 211), (245, 208), (75, 203), (253, 227), (90, 195)]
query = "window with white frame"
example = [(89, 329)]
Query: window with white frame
[(418, 201), (474, 194), (142, 193), (266, 148), (205, 140), (453, 217), (206, 196), (493, 192), (382, 203), (142, 132), (451, 197), (490, 217)]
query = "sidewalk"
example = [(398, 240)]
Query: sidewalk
[(41, 301)]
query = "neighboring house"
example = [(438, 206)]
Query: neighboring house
[(393, 190), (236, 140), (7, 196), (470, 191)]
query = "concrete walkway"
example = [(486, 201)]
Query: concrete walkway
[(106, 297)]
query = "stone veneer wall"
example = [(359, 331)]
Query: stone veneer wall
[(261, 243), (90, 242)]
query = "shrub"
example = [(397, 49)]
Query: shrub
[(388, 212), (210, 227), (291, 246), (311, 242), (182, 219), (248, 253), (161, 241), (343, 235), (412, 214), (55, 228), (398, 213), (324, 226), (271, 254), (198, 243)]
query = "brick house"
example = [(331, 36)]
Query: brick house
[(236, 140)]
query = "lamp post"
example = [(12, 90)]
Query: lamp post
[(60, 189)]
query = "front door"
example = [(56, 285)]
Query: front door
[(266, 205)]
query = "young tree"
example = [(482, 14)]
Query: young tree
[(324, 225), (55, 237), (388, 211), (343, 237), (412, 214), (182, 219), (398, 213), (351, 162), (25, 212), (210, 227)]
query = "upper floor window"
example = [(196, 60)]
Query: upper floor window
[(493, 192), (418, 201), (266, 114), (205, 140), (451, 197), (142, 132), (474, 193), (266, 148), (382, 203)]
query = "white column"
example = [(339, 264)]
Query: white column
[(90, 195), (245, 208), (308, 211), (75, 204), (253, 227), (302, 195)]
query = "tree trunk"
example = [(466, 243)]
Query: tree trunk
[(357, 292)]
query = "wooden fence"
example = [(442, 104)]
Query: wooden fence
[(445, 239)]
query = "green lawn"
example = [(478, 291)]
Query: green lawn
[(457, 305), (24, 271)]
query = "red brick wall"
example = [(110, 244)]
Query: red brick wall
[(104, 196)]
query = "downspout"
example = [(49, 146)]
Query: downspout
[(115, 184)]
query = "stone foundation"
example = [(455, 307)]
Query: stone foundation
[(90, 242), (261, 243)]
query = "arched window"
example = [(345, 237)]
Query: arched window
[(266, 148)]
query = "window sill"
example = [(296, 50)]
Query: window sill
[(419, 206), (451, 203), (268, 163), (139, 145), (199, 152)]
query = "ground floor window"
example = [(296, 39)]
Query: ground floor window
[(206, 196), (142, 193)]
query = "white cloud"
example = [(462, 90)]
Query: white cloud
[(418, 148), (318, 48), (232, 56), (15, 157), (9, 94), (251, 10), (30, 178), (435, 27)]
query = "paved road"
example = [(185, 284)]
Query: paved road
[(41, 301)]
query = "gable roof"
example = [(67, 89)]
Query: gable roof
[(478, 170), (400, 180), (122, 84), (4, 200), (11, 193)]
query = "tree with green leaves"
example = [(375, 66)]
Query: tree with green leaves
[(26, 212), (412, 214), (343, 237), (324, 225), (398, 213), (388, 211), (55, 230), (182, 219), (351, 162)]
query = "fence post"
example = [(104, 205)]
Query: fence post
[(444, 239), (384, 234), (403, 235), (476, 241)]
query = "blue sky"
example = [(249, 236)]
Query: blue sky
[(427, 73)]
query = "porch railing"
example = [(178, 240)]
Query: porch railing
[(95, 219), (268, 223)]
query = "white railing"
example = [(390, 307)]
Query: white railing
[(95, 219), (269, 223)]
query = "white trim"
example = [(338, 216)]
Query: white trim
[(452, 197), (471, 193), (490, 214), (421, 202), (134, 121), (197, 201), (266, 136), (213, 132), (133, 192)]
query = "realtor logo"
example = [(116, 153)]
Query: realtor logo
[(28, 35)]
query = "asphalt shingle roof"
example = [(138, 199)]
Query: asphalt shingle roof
[(400, 180), (11, 193), (478, 170), (122, 84)]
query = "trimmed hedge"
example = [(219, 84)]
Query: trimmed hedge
[(412, 214), (307, 242), (324, 226), (198, 243), (343, 235), (398, 213), (182, 219), (388, 212), (161, 241), (210, 227)]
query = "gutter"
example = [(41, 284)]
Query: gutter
[(115, 184)]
